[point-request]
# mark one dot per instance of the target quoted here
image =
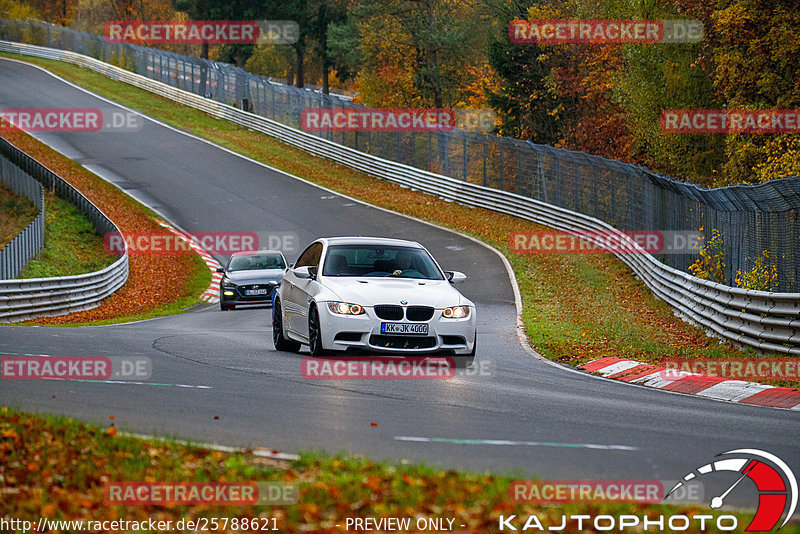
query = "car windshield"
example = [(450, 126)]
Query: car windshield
[(380, 261), (252, 262)]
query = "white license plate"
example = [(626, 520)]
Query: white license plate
[(404, 328), (251, 292)]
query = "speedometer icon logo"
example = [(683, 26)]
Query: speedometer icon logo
[(777, 485)]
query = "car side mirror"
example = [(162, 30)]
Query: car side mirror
[(455, 277), (305, 272), (220, 270)]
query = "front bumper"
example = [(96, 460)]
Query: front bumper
[(237, 294), (362, 333)]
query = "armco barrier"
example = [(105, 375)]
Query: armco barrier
[(752, 219), (35, 297), (763, 320), (16, 254)]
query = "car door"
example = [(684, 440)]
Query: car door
[(298, 290)]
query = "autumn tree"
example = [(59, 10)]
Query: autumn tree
[(757, 66), (409, 53)]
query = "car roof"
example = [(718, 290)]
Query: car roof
[(359, 240), (251, 252)]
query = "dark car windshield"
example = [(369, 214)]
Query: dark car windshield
[(380, 261), (252, 262)]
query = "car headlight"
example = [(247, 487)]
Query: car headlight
[(226, 282), (345, 308), (455, 312)]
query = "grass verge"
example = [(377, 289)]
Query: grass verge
[(71, 243), (58, 468), (157, 285), (16, 213), (576, 307)]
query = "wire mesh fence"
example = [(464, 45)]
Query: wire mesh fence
[(16, 254), (751, 219)]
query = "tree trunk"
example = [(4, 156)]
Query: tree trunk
[(326, 66), (300, 82)]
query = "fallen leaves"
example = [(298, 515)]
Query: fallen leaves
[(153, 280)]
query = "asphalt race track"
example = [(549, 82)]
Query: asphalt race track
[(548, 421)]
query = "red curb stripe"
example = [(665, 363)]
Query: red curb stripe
[(636, 372), (601, 363), (776, 397), (694, 384)]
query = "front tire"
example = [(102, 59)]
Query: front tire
[(278, 339), (314, 333), (462, 362)]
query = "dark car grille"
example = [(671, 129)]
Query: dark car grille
[(389, 312), (419, 313), (268, 286), (402, 342)]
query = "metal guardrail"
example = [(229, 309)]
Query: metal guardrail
[(35, 297), (764, 320), (751, 219), (16, 254)]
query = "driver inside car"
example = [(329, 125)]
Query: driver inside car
[(402, 262)]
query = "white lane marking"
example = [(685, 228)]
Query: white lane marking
[(264, 452), (132, 383), (504, 442)]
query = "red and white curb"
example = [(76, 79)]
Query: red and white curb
[(211, 294), (713, 387)]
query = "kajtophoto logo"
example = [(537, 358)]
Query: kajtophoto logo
[(775, 485), (775, 482)]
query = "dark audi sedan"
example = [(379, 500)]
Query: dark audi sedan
[(250, 277)]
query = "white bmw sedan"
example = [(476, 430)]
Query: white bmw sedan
[(375, 295)]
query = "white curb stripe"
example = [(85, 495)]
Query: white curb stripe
[(728, 390), (733, 390), (211, 294), (618, 367)]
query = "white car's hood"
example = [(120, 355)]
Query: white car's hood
[(369, 291)]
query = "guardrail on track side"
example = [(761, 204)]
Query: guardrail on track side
[(764, 320), (22, 299), (16, 254)]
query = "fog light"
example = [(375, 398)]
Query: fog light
[(228, 293)]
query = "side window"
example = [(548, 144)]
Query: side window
[(310, 256)]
